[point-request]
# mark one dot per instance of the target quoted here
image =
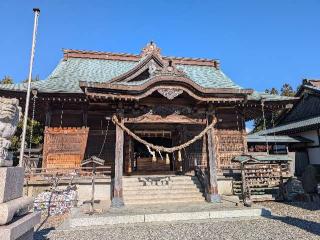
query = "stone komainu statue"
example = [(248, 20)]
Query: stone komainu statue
[(10, 113)]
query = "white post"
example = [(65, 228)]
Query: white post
[(25, 118)]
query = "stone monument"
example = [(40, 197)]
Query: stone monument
[(16, 222)]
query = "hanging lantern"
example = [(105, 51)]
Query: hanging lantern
[(167, 159), (179, 156)]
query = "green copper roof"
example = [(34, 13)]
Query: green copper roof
[(66, 76), (254, 138), (258, 96), (292, 126), (208, 77)]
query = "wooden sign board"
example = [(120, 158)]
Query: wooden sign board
[(64, 147)]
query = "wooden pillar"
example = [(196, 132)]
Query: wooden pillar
[(204, 155), (213, 195), (128, 154), (85, 115), (48, 115), (117, 200), (244, 135)]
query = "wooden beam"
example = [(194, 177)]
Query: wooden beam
[(213, 195), (117, 200), (148, 118)]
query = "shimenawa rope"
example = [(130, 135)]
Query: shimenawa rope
[(161, 148)]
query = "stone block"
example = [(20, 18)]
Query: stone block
[(11, 183), (183, 216), (107, 220), (16, 207), (240, 213), (21, 227)]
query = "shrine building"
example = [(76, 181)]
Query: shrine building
[(144, 114)]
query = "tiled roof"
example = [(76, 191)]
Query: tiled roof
[(254, 138), (65, 78), (102, 67), (261, 158), (292, 126), (257, 96)]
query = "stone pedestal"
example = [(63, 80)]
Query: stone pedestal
[(16, 222), (11, 183), (20, 228)]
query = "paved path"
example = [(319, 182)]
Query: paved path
[(291, 221), (255, 229)]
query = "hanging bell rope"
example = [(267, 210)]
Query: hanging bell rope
[(161, 148)]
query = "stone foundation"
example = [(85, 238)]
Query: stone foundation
[(11, 183), (16, 222), (20, 228)]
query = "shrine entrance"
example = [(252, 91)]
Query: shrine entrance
[(147, 161)]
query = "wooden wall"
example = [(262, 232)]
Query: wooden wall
[(230, 134), (231, 137)]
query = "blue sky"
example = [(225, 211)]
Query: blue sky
[(260, 44)]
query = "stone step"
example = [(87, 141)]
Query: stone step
[(158, 191), (168, 196), (164, 201), (164, 187), (180, 189), (182, 181), (173, 179), (171, 186), (168, 216)]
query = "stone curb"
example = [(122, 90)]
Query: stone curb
[(167, 217)]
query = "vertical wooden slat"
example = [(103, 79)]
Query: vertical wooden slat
[(117, 200)]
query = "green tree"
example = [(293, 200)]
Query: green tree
[(258, 123), (37, 134), (287, 90), (37, 78), (6, 80), (273, 91)]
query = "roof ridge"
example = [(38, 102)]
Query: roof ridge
[(89, 54)]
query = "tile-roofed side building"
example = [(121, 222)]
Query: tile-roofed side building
[(302, 120)]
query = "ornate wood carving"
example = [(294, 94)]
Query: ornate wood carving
[(64, 147), (230, 144), (151, 48), (148, 118), (170, 93)]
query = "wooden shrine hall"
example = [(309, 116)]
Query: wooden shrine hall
[(144, 114)]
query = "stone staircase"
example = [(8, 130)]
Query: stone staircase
[(161, 189)]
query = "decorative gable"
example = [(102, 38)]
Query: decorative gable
[(151, 65)]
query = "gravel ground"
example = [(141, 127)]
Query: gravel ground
[(301, 209), (294, 221)]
